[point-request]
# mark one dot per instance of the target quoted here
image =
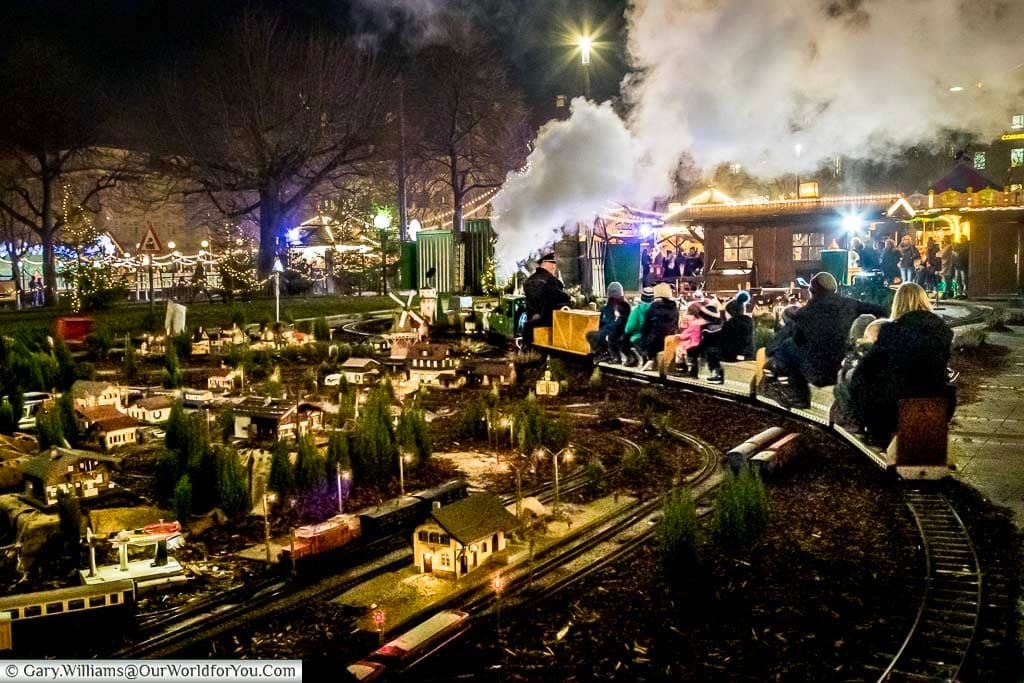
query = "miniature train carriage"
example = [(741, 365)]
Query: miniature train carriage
[(462, 536)]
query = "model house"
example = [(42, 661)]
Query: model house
[(462, 536), (230, 381), (114, 432), (488, 373), (434, 365), (361, 371), (84, 474), (267, 419), (152, 410), (89, 394)]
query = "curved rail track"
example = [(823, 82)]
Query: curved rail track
[(943, 631)]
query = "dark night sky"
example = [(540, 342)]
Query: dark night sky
[(128, 41)]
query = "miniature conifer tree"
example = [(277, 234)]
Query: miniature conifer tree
[(182, 501)]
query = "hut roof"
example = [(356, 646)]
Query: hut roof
[(961, 177)]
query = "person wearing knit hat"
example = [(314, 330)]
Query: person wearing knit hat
[(824, 283), (606, 341), (737, 339), (544, 293), (709, 317), (660, 321), (632, 335), (812, 345)]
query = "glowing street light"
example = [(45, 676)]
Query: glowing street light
[(586, 44), (569, 453), (346, 476), (278, 269), (268, 498), (382, 221), (402, 458)]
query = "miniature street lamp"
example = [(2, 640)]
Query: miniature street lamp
[(568, 453), (278, 269), (498, 583), (346, 476), (382, 221), (402, 458), (268, 498), (378, 621)]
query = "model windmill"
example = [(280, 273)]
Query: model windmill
[(410, 326)]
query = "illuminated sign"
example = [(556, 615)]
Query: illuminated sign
[(1012, 136)]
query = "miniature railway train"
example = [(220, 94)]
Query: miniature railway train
[(33, 612), (407, 650), (568, 335), (396, 516)]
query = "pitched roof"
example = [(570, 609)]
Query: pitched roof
[(155, 403), (429, 351), (475, 517), (359, 364), (98, 413), (53, 463), (493, 368), (113, 424), (84, 387), (963, 176)]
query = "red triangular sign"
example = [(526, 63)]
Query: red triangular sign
[(150, 242)]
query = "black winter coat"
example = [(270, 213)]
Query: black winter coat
[(737, 338), (908, 361), (609, 326), (661, 320), (890, 263), (544, 293), (820, 331)]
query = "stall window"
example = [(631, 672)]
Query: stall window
[(1017, 157), (739, 248), (979, 161), (807, 246), (1017, 121)]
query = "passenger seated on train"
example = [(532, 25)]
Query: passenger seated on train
[(909, 360), (606, 342), (660, 321), (710, 315), (632, 336), (842, 411), (689, 337), (811, 347), (738, 330)]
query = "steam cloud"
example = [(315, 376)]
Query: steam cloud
[(753, 82)]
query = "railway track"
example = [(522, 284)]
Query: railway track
[(943, 631), (172, 630), (613, 539)]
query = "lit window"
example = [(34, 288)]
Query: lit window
[(1017, 121), (807, 246), (979, 161), (445, 561), (1016, 187), (1017, 157), (739, 248)]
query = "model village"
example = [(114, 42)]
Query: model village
[(315, 488)]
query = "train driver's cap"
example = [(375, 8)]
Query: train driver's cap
[(548, 257)]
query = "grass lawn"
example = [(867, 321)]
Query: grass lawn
[(125, 318)]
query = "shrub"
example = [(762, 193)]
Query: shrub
[(232, 483), (558, 370), (282, 479), (596, 379), (85, 370), (182, 344), (310, 467), (321, 330), (182, 502), (595, 476), (99, 342), (472, 420), (172, 375), (49, 429), (679, 536), (413, 434), (130, 368), (634, 468), (741, 509)]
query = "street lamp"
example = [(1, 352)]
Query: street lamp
[(268, 498), (568, 452), (586, 44), (346, 476), (382, 221), (498, 585), (402, 458), (278, 269)]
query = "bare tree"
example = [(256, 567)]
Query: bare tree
[(15, 241), (469, 121), (269, 117), (49, 129)]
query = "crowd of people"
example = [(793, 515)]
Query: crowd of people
[(669, 266), (872, 356), (939, 265)]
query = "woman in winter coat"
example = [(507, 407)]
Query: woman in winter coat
[(946, 267), (890, 262), (737, 338), (909, 257), (661, 320), (908, 361)]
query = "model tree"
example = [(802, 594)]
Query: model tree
[(70, 520), (282, 478), (232, 483), (182, 501), (374, 455)]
